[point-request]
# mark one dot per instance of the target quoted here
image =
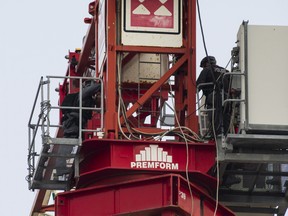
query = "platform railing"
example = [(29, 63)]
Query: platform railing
[(202, 110), (44, 119), (32, 132)]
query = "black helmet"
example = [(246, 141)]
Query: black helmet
[(207, 59)]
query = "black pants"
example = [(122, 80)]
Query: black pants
[(221, 114)]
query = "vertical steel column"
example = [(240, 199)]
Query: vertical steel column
[(111, 70), (191, 119), (185, 91)]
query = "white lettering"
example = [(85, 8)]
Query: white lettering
[(168, 166), (154, 157), (162, 165), (155, 165), (138, 165), (175, 166), (133, 164), (150, 164)]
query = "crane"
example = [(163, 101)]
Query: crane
[(143, 149)]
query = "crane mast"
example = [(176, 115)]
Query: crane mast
[(141, 150)]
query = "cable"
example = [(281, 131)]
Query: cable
[(204, 44), (187, 155), (159, 135), (217, 161), (183, 128), (201, 28), (213, 112), (119, 98), (228, 62)]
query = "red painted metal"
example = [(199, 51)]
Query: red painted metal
[(89, 40), (148, 20), (113, 180), (184, 67), (110, 74), (119, 156), (160, 195), (104, 153), (156, 86), (130, 94), (191, 117)]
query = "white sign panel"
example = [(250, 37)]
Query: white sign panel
[(152, 22)]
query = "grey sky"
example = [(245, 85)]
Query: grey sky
[(35, 37)]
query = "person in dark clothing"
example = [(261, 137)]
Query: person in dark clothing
[(212, 81), (70, 121), (212, 73), (70, 118)]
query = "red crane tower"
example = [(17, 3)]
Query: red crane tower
[(139, 153)]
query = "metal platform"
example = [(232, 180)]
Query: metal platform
[(256, 166), (254, 148), (55, 166), (258, 140)]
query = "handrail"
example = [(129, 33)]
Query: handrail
[(229, 99), (203, 110), (80, 108), (43, 118), (224, 101), (35, 101), (31, 143)]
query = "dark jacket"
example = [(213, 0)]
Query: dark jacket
[(207, 77), (70, 117)]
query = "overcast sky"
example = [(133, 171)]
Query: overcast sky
[(35, 37)]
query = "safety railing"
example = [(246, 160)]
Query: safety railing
[(45, 118), (238, 98), (224, 101), (81, 108), (202, 110), (32, 132)]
